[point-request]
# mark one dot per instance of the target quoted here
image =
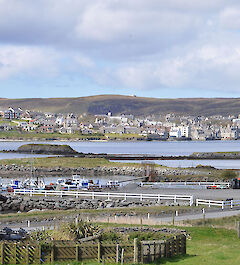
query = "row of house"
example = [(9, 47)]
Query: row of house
[(11, 113), (165, 127)]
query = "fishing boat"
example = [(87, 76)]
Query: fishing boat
[(13, 185), (113, 184), (66, 184)]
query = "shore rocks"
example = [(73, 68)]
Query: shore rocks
[(15, 170), (25, 204), (216, 155)]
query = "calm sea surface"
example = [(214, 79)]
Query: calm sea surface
[(142, 147)]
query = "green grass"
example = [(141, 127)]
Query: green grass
[(127, 136), (225, 222), (16, 135), (7, 122), (66, 162), (210, 246)]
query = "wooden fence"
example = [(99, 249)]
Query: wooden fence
[(145, 251)]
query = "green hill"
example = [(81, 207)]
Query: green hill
[(118, 104)]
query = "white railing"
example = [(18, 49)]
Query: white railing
[(107, 195), (201, 184), (222, 204)]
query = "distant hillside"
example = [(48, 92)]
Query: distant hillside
[(118, 104)]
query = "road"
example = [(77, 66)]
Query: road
[(197, 193), (34, 225)]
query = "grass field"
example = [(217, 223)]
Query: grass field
[(40, 136), (225, 222), (67, 162), (128, 136), (210, 246)]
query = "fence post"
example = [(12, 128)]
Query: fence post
[(15, 254), (238, 229), (203, 211), (222, 205), (117, 253), (196, 202), (142, 254), (2, 253), (27, 254), (92, 195), (99, 251), (175, 199), (191, 201), (135, 257), (40, 254), (122, 256), (52, 254), (77, 252)]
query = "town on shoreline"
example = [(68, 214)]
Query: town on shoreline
[(19, 124)]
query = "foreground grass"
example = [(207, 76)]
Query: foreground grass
[(210, 246)]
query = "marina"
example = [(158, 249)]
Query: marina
[(75, 183)]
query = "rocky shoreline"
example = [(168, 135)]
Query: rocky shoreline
[(26, 204), (162, 173)]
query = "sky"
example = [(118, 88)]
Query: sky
[(149, 48)]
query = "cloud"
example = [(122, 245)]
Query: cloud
[(143, 44), (16, 60)]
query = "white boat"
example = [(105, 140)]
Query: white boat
[(113, 184), (33, 184), (66, 184), (13, 185)]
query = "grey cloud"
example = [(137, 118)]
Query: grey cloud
[(130, 43)]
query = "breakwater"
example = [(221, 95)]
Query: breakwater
[(25, 204), (161, 173)]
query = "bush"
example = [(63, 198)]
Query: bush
[(67, 231)]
